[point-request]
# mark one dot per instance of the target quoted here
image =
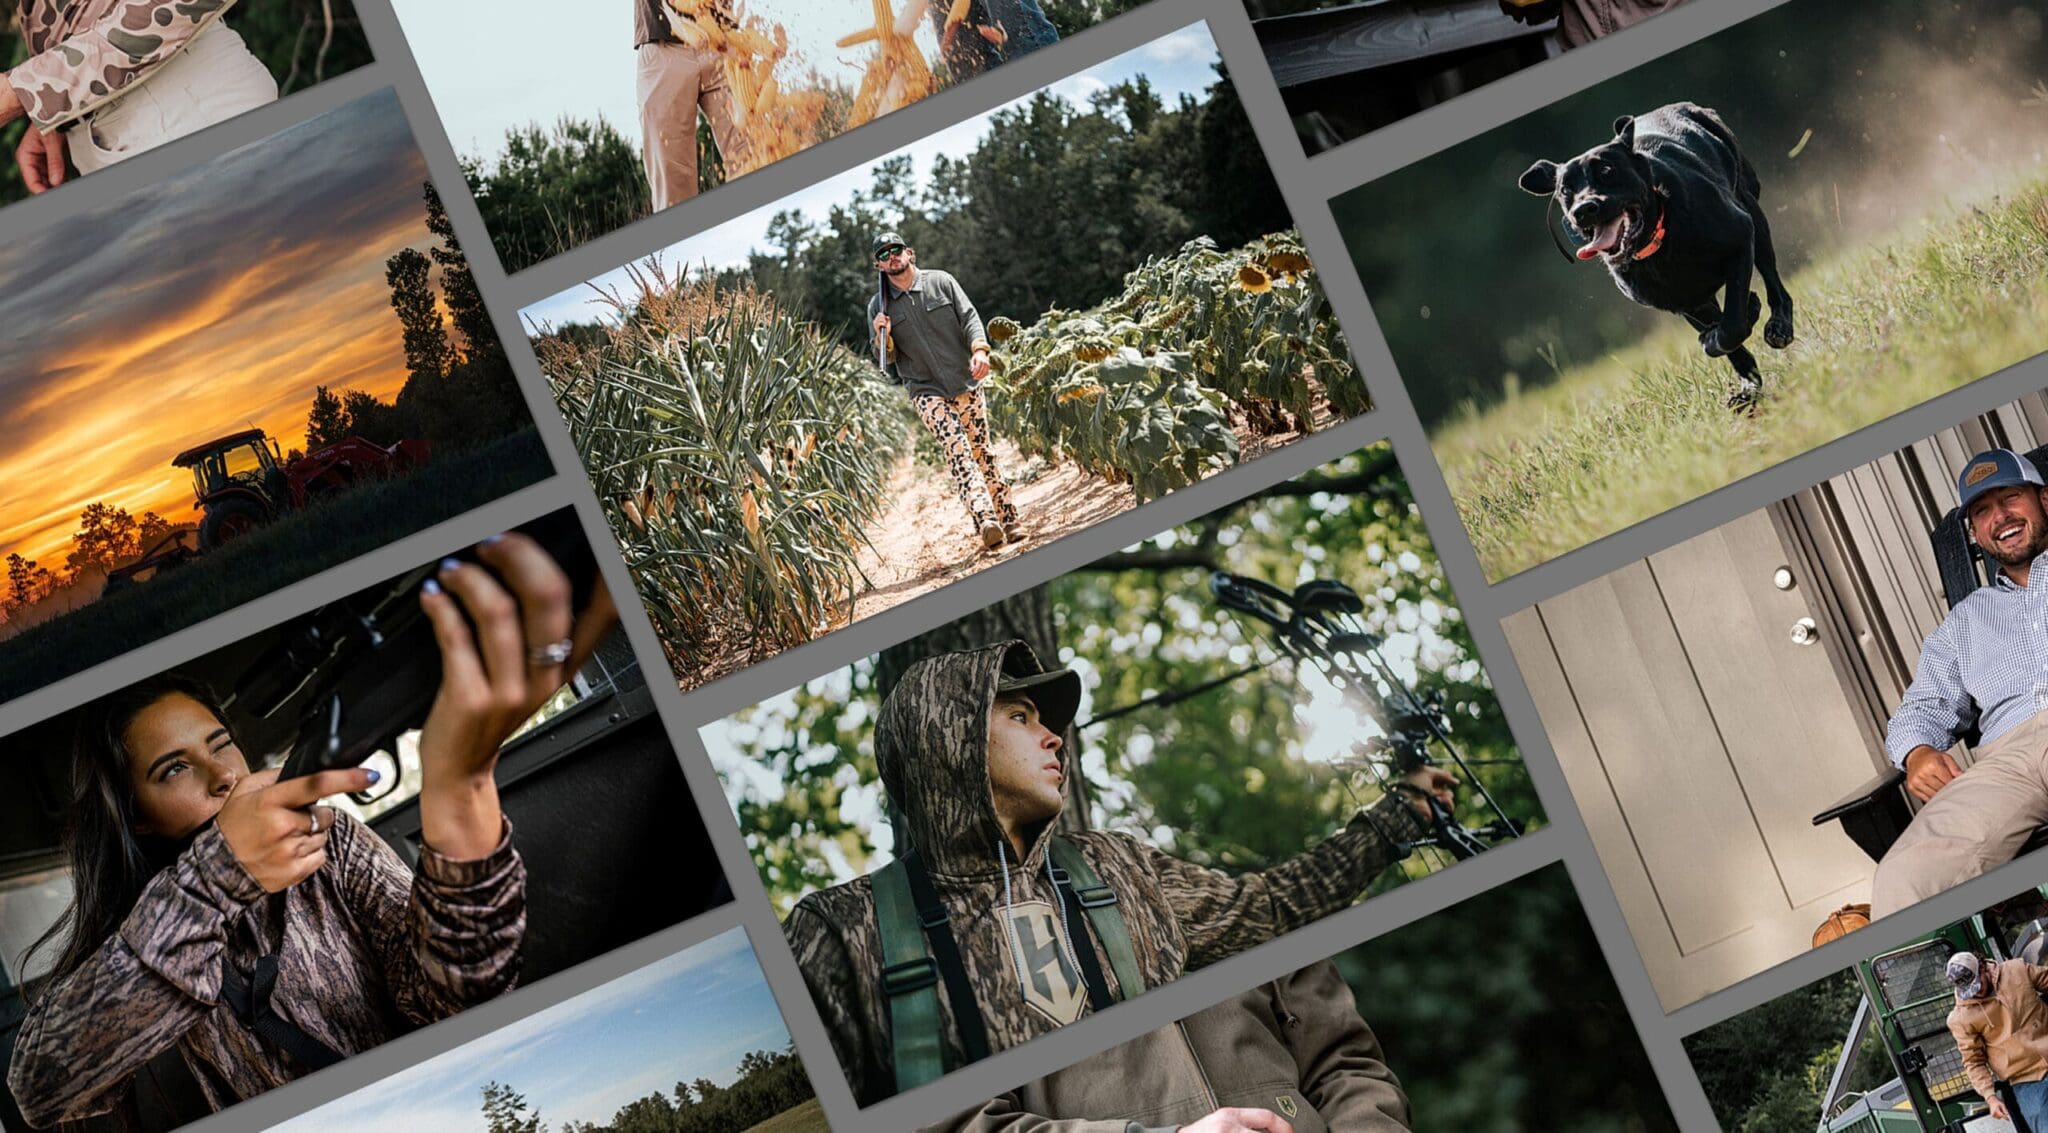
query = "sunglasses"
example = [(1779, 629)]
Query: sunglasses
[(890, 252)]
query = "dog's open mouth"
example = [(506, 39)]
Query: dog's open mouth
[(1611, 238)]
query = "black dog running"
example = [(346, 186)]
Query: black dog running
[(1671, 205)]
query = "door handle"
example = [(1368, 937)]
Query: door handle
[(1805, 632)]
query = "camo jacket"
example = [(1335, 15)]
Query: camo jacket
[(84, 53), (367, 950), (931, 740), (650, 22)]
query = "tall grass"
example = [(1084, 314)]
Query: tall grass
[(331, 530), (1880, 329), (739, 455)]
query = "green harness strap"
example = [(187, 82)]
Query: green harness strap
[(1099, 901), (909, 979)]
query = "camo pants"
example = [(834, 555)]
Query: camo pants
[(960, 424)]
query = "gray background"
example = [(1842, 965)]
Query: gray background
[(1308, 186)]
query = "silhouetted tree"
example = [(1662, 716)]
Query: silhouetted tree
[(458, 286), (324, 425), (427, 352), (105, 536)]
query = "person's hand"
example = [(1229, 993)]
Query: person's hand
[(10, 101), (1928, 771), (1998, 1110), (881, 326), (977, 364), (41, 157), (1236, 1120), (1429, 782), (493, 678), (269, 826)]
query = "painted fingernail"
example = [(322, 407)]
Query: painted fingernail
[(374, 776), (430, 587), (494, 540), (448, 566)]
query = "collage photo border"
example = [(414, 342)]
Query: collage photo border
[(1308, 185)]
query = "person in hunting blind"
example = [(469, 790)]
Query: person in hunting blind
[(678, 75), (107, 79), (992, 927), (929, 339)]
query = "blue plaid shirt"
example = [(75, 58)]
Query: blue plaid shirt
[(1986, 663)]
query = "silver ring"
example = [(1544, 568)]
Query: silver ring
[(314, 815), (553, 653)]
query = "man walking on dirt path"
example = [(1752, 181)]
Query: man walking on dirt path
[(678, 75), (1985, 665), (930, 340), (1008, 927), (2001, 1029)]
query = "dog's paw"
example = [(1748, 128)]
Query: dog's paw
[(1778, 332), (1748, 394)]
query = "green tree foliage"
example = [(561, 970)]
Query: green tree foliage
[(1499, 1016), (1767, 1068), (1052, 208), (768, 1083), (506, 1111), (302, 42), (1240, 777), (551, 189), (1475, 300)]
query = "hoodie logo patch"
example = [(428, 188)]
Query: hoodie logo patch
[(1051, 985)]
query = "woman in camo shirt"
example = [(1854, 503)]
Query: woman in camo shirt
[(108, 79), (212, 902)]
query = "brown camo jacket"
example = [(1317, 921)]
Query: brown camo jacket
[(931, 743), (83, 53), (370, 950)]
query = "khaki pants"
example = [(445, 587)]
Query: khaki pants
[(674, 82), (213, 79), (1976, 823)]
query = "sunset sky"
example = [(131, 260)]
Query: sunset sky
[(207, 302)]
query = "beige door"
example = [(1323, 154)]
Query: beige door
[(1701, 716)]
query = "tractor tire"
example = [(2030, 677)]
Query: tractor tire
[(230, 519)]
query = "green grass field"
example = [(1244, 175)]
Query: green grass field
[(806, 1118), (295, 547), (1880, 329)]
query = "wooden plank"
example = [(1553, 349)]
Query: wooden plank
[(1365, 37)]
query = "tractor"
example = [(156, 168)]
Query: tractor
[(1906, 1000), (242, 482)]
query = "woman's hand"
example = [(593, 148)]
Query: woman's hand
[(493, 678), (274, 829), (41, 157)]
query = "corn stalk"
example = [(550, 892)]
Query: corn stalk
[(1144, 388), (897, 75), (739, 455)]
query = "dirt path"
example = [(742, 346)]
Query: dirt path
[(924, 542)]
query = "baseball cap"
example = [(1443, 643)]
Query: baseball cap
[(887, 239), (1994, 468), (1056, 693), (1966, 971)]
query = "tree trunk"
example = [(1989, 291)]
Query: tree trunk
[(1028, 616)]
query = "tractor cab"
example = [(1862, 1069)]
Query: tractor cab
[(1904, 1013), (246, 458)]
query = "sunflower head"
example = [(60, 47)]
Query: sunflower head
[(1288, 263), (1253, 278), (1002, 328)]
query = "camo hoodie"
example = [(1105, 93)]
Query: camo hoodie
[(931, 742), (84, 53)]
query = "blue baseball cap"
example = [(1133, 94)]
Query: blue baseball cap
[(1994, 468)]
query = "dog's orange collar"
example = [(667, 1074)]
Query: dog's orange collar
[(1656, 235)]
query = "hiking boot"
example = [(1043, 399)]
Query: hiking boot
[(992, 534), (1013, 533)]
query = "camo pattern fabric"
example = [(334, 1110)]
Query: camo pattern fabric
[(1296, 1046), (651, 17), (960, 425), (368, 950), (84, 53), (930, 744)]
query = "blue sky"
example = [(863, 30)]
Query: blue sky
[(1178, 63), (690, 1016)]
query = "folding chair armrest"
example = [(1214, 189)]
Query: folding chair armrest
[(1874, 814)]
